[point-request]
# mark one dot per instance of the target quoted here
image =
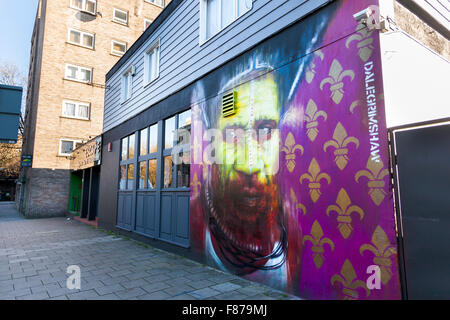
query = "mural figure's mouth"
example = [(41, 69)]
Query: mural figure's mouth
[(250, 254)]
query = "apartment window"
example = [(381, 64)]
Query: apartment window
[(127, 84), (78, 73), (120, 16), (215, 15), (157, 2), (151, 63), (81, 38), (66, 146), (75, 109), (118, 48), (147, 23), (89, 6)]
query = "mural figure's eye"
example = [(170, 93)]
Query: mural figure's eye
[(265, 129)]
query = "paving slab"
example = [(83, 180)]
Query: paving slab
[(35, 254)]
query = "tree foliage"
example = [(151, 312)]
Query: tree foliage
[(10, 159)]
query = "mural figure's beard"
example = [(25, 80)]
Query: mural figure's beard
[(245, 222)]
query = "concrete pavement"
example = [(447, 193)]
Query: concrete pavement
[(35, 254)]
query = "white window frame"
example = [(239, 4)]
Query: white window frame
[(155, 45), (83, 6), (77, 106), (127, 92), (118, 53), (203, 18), (79, 68), (74, 142), (145, 23), (82, 33), (160, 4), (118, 20)]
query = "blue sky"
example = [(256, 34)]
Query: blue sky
[(16, 27)]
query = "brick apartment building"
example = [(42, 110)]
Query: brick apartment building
[(74, 43)]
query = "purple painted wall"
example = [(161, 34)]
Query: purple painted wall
[(314, 226)]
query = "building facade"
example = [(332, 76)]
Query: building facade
[(255, 137), (74, 44)]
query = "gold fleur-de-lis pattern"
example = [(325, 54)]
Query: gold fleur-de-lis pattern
[(310, 70), (344, 209), (340, 143), (382, 250), (349, 282), (297, 205), (375, 175), (336, 81), (318, 242), (364, 42), (289, 149), (354, 105), (315, 177), (312, 116)]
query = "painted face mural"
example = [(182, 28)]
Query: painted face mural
[(245, 223), (298, 194)]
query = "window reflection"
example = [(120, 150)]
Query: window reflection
[(184, 127), (153, 147), (124, 148), (142, 174), (130, 177), (151, 182), (131, 146), (169, 126), (168, 164), (143, 142), (123, 178), (183, 171)]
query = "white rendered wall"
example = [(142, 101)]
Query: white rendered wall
[(416, 81)]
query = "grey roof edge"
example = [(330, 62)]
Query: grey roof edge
[(6, 86), (165, 13)]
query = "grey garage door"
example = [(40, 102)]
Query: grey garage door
[(423, 191)]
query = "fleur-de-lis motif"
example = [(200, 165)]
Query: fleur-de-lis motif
[(310, 71), (344, 209), (382, 249), (335, 79), (340, 142), (318, 242), (375, 173), (314, 176), (312, 116), (354, 105), (196, 185), (349, 284), (296, 203), (365, 43), (289, 149)]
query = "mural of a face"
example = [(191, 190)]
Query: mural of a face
[(244, 198)]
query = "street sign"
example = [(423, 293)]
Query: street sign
[(26, 161)]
